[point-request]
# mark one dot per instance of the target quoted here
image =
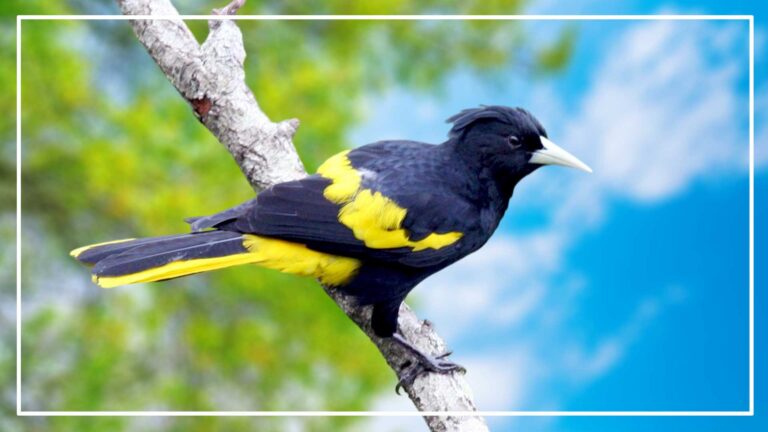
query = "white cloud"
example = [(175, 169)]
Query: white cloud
[(498, 284), (661, 112), (583, 364), (500, 381)]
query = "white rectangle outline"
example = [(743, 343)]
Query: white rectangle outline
[(750, 412)]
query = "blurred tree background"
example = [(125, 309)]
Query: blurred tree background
[(111, 151)]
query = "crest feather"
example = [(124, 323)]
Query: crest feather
[(512, 116)]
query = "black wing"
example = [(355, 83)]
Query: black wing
[(433, 225)]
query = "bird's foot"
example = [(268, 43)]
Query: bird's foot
[(422, 364)]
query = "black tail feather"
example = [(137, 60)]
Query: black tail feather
[(94, 253), (159, 258), (209, 244)]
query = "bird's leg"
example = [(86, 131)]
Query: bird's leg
[(424, 363)]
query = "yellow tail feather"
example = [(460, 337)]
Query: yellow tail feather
[(175, 269)]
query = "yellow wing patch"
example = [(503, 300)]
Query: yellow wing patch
[(346, 180), (373, 218)]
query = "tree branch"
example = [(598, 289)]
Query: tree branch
[(211, 78)]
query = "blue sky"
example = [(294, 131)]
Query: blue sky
[(626, 289)]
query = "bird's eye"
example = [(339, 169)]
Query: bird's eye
[(514, 142)]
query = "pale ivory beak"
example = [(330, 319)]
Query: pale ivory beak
[(552, 154)]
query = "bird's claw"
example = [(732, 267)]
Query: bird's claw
[(422, 362), (425, 364)]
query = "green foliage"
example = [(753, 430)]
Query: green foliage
[(110, 151), (556, 56)]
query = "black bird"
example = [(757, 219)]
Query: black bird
[(373, 222)]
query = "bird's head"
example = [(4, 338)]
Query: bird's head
[(509, 141)]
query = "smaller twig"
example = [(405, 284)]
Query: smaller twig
[(230, 9)]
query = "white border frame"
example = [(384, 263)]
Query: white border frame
[(750, 412)]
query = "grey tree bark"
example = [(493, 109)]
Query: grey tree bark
[(211, 78)]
